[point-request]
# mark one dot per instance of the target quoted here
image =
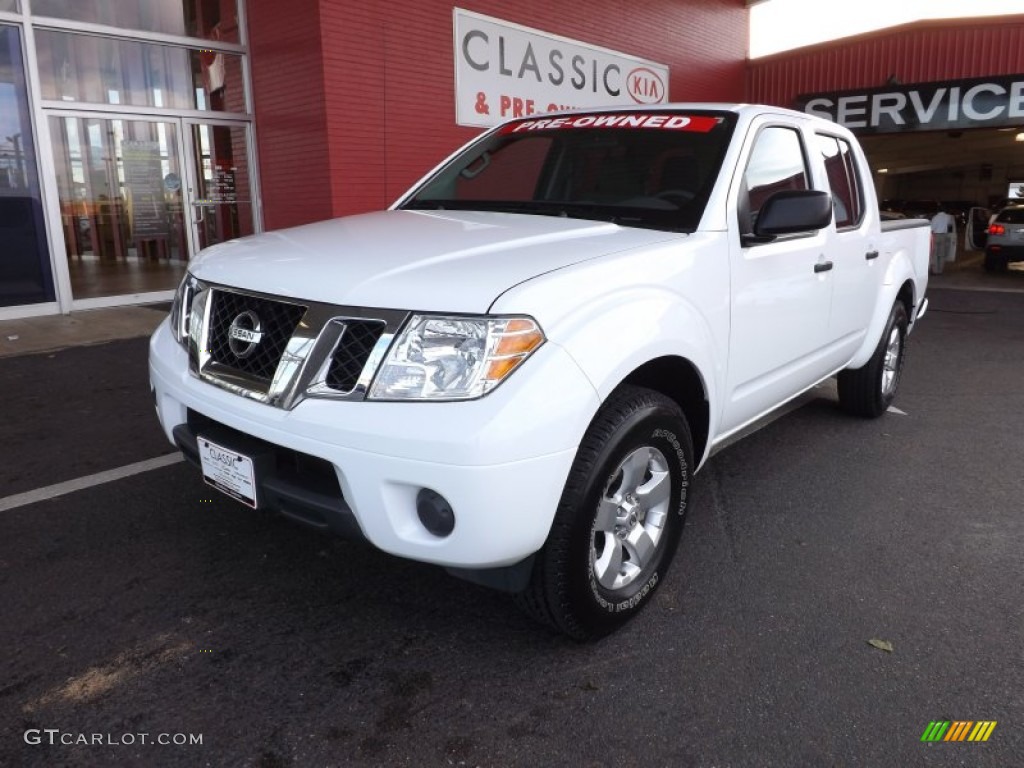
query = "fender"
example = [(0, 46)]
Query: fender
[(612, 315), (640, 325), (650, 323), (898, 273)]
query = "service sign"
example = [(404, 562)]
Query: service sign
[(505, 70), (989, 102)]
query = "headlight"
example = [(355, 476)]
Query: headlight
[(181, 308), (454, 358)]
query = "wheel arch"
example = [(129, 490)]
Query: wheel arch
[(906, 295), (902, 290), (679, 380)]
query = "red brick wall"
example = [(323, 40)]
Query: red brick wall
[(388, 91), (289, 105), (919, 52)]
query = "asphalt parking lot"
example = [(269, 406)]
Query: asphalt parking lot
[(151, 605)]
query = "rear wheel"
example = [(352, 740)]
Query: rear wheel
[(995, 262), (619, 519), (868, 391)]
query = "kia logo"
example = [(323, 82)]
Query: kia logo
[(645, 86)]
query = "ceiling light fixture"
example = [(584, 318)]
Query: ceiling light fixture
[(883, 170), (1019, 136)]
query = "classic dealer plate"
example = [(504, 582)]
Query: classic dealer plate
[(228, 471)]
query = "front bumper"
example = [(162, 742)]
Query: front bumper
[(500, 461), (300, 487)]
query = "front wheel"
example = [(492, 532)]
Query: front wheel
[(619, 519), (869, 390)]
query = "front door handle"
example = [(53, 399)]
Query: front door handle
[(871, 255), (822, 266)]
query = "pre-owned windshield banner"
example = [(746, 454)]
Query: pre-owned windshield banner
[(987, 102), (504, 70), (665, 122)]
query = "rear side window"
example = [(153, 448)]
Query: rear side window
[(1012, 216), (843, 180), (776, 163)]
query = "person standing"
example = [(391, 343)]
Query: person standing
[(943, 240)]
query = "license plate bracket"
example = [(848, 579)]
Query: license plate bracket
[(229, 471)]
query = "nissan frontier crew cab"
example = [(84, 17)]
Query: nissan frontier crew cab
[(515, 371)]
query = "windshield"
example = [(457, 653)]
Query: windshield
[(650, 169)]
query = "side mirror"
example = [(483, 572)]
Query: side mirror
[(791, 212)]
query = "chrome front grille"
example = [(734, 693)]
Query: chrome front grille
[(277, 321), (352, 352), (280, 352)]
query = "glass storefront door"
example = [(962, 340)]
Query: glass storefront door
[(121, 210), (140, 195), (219, 182)]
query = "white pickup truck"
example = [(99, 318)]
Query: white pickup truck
[(515, 370)]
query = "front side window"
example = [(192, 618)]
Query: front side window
[(652, 170), (776, 163)]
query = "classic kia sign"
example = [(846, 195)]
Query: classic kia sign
[(988, 102), (505, 70)]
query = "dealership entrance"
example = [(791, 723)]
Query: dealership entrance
[(984, 166), (127, 147), (938, 107), (140, 195), (954, 140)]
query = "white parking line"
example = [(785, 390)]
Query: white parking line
[(78, 484)]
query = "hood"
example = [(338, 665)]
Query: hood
[(437, 261)]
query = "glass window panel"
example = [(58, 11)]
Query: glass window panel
[(120, 189), (102, 70), (776, 163), (856, 185), (222, 204), (217, 81), (838, 181), (9, 5), (207, 19), (25, 275)]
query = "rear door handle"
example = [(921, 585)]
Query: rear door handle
[(871, 255), (822, 266)]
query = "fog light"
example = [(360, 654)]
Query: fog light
[(435, 512)]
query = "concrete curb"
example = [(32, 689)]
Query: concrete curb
[(53, 332)]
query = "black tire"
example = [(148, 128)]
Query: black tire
[(995, 263), (868, 391), (578, 585)]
